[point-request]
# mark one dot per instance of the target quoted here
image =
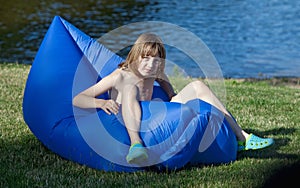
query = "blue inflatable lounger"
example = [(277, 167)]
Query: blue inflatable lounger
[(69, 61)]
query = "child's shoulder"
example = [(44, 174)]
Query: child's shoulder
[(119, 72), (125, 73), (121, 75)]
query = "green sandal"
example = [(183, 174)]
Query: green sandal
[(254, 142), (137, 154)]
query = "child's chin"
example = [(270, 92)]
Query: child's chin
[(148, 75)]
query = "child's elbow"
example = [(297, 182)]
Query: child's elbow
[(75, 101)]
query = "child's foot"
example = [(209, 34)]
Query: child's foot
[(137, 154), (254, 142)]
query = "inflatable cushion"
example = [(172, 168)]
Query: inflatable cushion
[(67, 62)]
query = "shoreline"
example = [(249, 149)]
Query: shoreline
[(292, 82)]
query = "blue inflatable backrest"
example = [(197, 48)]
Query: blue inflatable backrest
[(67, 62)]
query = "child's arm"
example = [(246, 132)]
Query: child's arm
[(87, 98), (166, 86)]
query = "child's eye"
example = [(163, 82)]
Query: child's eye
[(157, 61), (146, 57)]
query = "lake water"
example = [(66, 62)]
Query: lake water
[(257, 38)]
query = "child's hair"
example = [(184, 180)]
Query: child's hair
[(147, 44)]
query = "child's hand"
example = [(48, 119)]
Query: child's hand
[(110, 106)]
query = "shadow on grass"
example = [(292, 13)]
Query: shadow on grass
[(18, 157), (284, 176), (29, 147), (267, 153), (25, 160), (272, 151)]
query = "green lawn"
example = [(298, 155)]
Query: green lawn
[(260, 107)]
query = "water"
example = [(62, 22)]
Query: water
[(257, 38)]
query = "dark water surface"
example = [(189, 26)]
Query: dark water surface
[(257, 38)]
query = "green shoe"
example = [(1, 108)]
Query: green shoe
[(254, 142), (137, 154)]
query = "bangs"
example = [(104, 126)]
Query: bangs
[(153, 49)]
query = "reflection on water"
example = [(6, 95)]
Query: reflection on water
[(24, 23), (248, 38)]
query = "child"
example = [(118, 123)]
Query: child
[(133, 82)]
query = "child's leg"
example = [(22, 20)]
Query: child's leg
[(198, 90), (131, 112)]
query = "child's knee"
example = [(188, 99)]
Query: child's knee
[(199, 87)]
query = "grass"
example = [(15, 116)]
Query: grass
[(259, 106)]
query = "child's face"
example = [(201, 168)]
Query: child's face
[(148, 66)]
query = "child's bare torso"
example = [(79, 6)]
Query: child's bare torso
[(123, 77)]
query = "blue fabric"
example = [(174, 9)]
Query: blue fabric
[(68, 61)]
